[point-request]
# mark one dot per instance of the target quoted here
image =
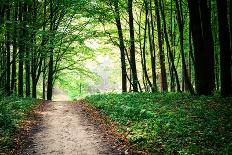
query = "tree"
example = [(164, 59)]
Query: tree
[(121, 46), (181, 30), (21, 50), (164, 86), (225, 50), (203, 46), (132, 47)]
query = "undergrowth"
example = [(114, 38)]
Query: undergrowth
[(171, 123), (12, 111)]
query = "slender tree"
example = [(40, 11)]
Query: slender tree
[(164, 85), (21, 50), (15, 47), (51, 56), (152, 48), (121, 45), (132, 47), (181, 30), (8, 51)]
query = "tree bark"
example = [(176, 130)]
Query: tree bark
[(181, 30), (27, 53), (152, 49), (164, 85), (8, 51), (15, 46), (121, 46), (21, 51), (132, 47), (204, 66), (225, 53), (173, 67), (51, 58)]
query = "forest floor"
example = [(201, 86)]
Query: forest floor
[(58, 127), (129, 123), (64, 128), (169, 123)]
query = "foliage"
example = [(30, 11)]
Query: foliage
[(171, 123), (13, 110)]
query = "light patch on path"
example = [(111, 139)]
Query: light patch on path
[(65, 131), (59, 95)]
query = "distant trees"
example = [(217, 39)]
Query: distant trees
[(30, 44), (175, 29), (159, 40)]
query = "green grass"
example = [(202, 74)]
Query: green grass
[(171, 123), (12, 111)]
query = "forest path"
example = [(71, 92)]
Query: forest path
[(65, 130)]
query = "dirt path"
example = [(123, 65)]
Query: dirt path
[(59, 95), (64, 130)]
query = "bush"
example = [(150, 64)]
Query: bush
[(171, 123), (12, 111)]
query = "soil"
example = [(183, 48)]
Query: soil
[(64, 128)]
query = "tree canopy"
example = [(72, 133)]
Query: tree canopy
[(177, 45)]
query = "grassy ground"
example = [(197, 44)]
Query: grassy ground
[(171, 123), (12, 112)]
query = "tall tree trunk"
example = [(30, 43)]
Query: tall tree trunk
[(2, 14), (21, 51), (51, 58), (144, 48), (225, 53), (173, 67), (27, 54), (44, 80), (15, 36), (181, 30), (204, 68), (164, 85), (230, 12), (208, 42), (152, 49), (132, 47), (190, 58), (8, 51), (50, 76), (34, 55), (121, 46)]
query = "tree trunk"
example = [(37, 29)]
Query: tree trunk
[(27, 60), (164, 85), (173, 67), (208, 42), (144, 48), (21, 51), (181, 30), (152, 49), (225, 53), (51, 58), (15, 36), (204, 73), (121, 46), (34, 55), (132, 47), (8, 51)]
